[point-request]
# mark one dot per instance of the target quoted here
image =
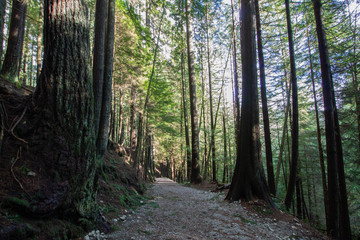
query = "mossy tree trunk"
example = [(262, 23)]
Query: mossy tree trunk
[(64, 98)]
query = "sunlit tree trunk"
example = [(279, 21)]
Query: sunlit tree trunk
[(11, 64), (195, 168)]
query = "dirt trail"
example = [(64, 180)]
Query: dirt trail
[(178, 212)]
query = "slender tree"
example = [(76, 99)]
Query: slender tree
[(195, 168), (212, 141), (236, 95), (269, 161), (11, 64), (103, 131), (99, 58), (39, 41), (318, 131), (132, 142), (186, 120), (2, 22), (338, 217), (295, 116)]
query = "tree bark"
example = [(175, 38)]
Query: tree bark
[(295, 112), (195, 168), (64, 98), (249, 178), (11, 64)]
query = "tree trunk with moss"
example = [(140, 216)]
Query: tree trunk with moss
[(64, 98)]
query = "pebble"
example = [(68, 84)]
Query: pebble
[(123, 218)]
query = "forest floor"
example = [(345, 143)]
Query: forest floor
[(175, 211)]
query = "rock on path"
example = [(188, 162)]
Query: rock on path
[(178, 212)]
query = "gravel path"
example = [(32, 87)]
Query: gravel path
[(178, 212)]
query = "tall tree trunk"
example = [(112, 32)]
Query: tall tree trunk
[(11, 65), (120, 110), (2, 23), (39, 41), (298, 199), (195, 168), (225, 149), (318, 130), (269, 161), (25, 68), (186, 120), (99, 59), (205, 155), (336, 176), (69, 144), (283, 138), (236, 81), (212, 143), (132, 139), (345, 229), (103, 131), (249, 178), (295, 116)]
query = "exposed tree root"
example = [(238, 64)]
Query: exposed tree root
[(12, 171)]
